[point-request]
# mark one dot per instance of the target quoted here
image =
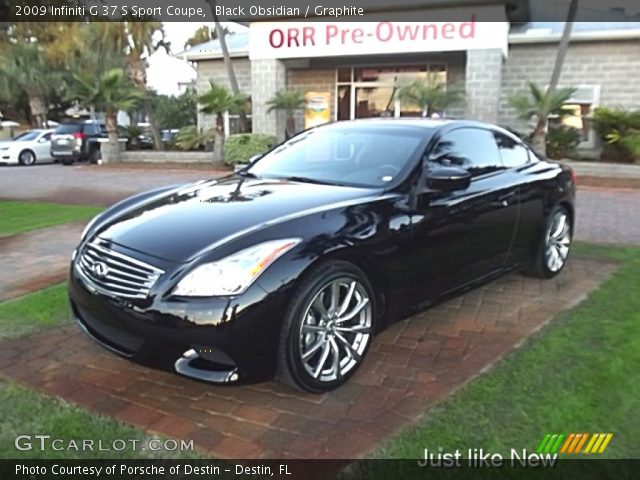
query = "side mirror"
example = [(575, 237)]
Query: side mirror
[(448, 179)]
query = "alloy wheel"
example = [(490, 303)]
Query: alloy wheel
[(558, 242), (27, 158), (336, 329)]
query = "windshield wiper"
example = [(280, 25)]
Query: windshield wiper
[(246, 173), (296, 178)]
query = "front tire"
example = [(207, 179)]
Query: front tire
[(67, 161), (554, 246), (27, 158), (328, 328)]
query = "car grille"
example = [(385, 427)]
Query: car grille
[(115, 274)]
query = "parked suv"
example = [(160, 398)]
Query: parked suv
[(77, 141)]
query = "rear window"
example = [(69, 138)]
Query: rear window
[(69, 128)]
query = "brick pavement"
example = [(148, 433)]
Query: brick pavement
[(34, 260), (411, 366)]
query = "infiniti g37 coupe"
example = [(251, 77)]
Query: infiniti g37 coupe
[(290, 266)]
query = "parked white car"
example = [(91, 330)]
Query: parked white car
[(28, 148)]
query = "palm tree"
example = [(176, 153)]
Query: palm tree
[(216, 101), (233, 81), (538, 105), (289, 101), (24, 69), (135, 41), (203, 34), (430, 95), (141, 46), (542, 104), (110, 92)]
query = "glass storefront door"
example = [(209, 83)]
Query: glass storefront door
[(366, 92)]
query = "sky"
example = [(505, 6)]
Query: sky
[(165, 71)]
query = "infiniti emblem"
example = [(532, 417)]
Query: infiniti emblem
[(100, 270)]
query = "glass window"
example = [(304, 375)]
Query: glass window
[(359, 156), (67, 128), (513, 153), (91, 129), (27, 136), (473, 149), (344, 74)]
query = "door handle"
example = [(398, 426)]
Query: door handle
[(504, 200)]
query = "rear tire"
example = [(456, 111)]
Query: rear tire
[(328, 328), (27, 158), (67, 161), (95, 156), (553, 248)]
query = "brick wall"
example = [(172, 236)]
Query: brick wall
[(215, 70), (267, 77), (613, 65), (483, 83)]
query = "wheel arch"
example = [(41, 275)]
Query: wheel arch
[(367, 263)]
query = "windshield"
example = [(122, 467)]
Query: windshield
[(25, 137), (357, 156)]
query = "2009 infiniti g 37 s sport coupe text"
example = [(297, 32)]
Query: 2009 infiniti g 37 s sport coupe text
[(291, 265)]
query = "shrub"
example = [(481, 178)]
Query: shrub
[(562, 141), (620, 129), (239, 148), (190, 138)]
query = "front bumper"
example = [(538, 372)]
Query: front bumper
[(218, 340), (8, 157)]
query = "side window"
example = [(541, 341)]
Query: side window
[(513, 153), (47, 137), (473, 149), (90, 129)]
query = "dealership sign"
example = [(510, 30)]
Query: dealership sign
[(326, 39)]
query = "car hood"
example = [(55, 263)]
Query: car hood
[(184, 224)]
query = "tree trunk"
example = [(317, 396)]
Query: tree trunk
[(291, 127), (218, 145), (155, 130), (539, 137), (138, 76), (563, 47), (112, 150), (233, 81), (38, 111)]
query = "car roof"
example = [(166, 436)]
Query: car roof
[(426, 123), (432, 125)]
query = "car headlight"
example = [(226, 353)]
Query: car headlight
[(232, 275)]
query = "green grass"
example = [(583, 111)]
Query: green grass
[(23, 411), (580, 374), (26, 412), (19, 217), (45, 308)]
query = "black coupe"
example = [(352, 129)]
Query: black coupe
[(292, 265)]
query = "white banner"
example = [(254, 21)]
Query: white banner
[(330, 39)]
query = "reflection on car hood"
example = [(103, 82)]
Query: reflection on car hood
[(183, 224)]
